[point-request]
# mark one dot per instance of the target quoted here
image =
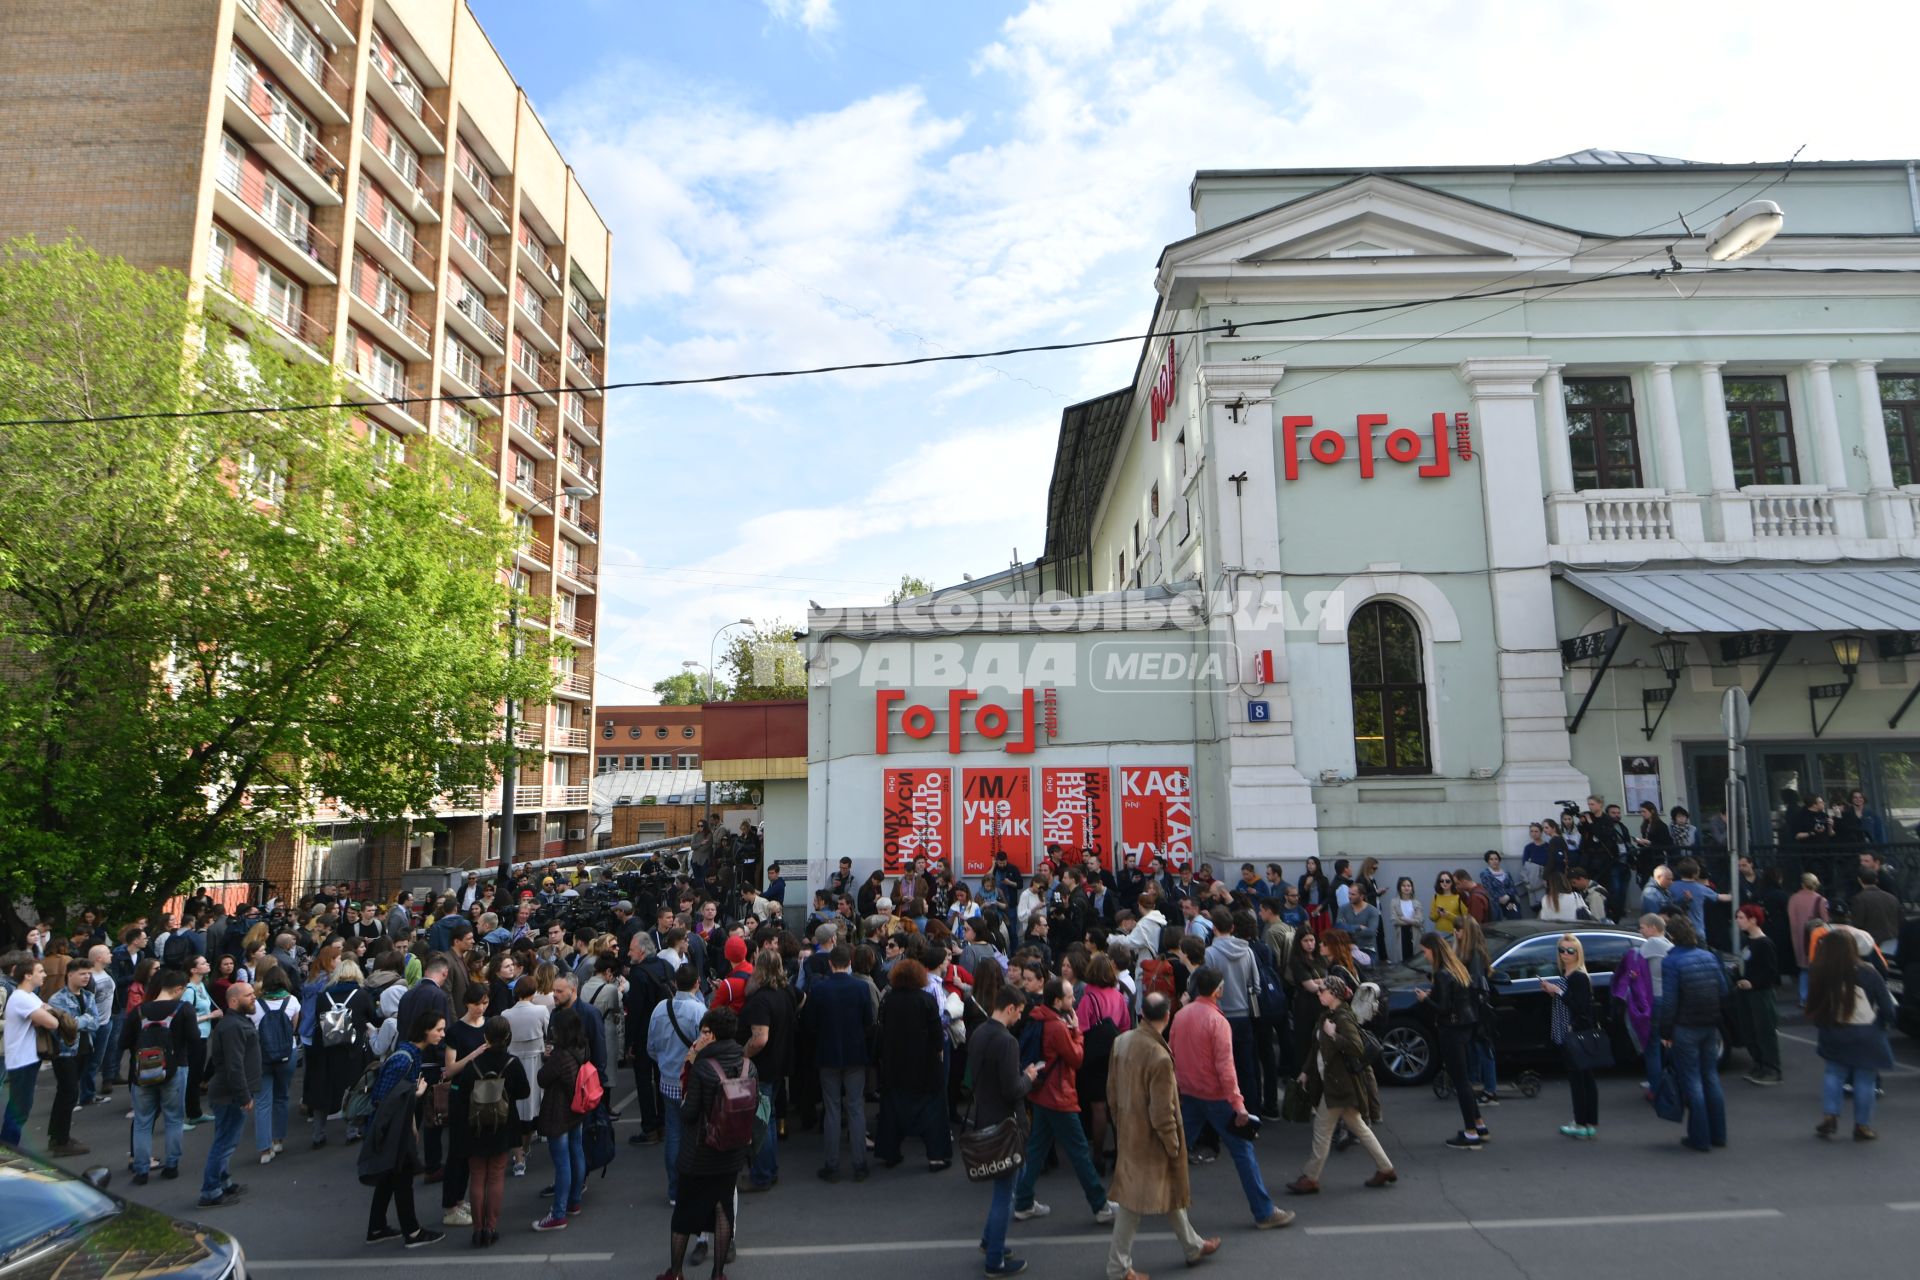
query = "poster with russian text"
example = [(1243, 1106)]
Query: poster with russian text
[(996, 816), (916, 819), (1076, 810), (1156, 814)]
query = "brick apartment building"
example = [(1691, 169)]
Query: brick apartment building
[(646, 738), (359, 182)]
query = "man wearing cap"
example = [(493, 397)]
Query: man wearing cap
[(628, 924)]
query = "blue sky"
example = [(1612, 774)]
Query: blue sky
[(797, 182)]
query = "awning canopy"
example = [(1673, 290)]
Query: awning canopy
[(1775, 598)]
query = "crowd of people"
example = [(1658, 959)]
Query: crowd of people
[(1121, 1023)]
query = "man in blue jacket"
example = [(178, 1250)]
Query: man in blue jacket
[(1692, 984), (839, 1013)]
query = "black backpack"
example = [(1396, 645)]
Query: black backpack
[(1270, 994), (276, 1032), (153, 1062), (178, 953)]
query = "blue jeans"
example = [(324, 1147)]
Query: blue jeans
[(99, 1061), (1696, 1058), (21, 1082), (999, 1217), (1654, 1060), (569, 1152), (229, 1122), (1197, 1113), (1484, 1068), (164, 1103), (1619, 884), (765, 1165), (1838, 1076), (1803, 986), (270, 1104), (670, 1129), (1063, 1127)]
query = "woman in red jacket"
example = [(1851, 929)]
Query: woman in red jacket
[(1056, 1107)]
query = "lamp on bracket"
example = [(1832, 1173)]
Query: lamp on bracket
[(1846, 655), (1673, 660)]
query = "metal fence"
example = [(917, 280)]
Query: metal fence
[(1837, 866)]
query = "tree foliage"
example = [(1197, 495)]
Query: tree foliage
[(689, 689), (210, 625), (909, 588), (766, 663)]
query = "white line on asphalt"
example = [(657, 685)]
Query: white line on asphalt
[(1896, 1070), (1524, 1224), (1905, 1206), (892, 1246), (462, 1259), (627, 1101)]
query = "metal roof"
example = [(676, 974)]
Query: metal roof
[(1089, 435), (1783, 598), (1602, 156)]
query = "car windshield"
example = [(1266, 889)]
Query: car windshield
[(36, 1202)]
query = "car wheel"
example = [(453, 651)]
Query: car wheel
[(1409, 1053)]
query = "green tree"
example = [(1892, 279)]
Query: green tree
[(208, 625), (688, 689), (909, 587), (766, 663)]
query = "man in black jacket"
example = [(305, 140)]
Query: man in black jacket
[(233, 1077), (999, 1083), (1760, 976), (838, 1015)]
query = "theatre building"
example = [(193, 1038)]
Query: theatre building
[(1398, 581)]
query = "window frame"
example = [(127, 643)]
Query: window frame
[(1743, 412), (1590, 415), (1908, 414), (1385, 689)]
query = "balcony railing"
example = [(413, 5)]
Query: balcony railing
[(1792, 515), (534, 309), (461, 364), (367, 288), (537, 549), (572, 513), (483, 184), (534, 248), (584, 469), (584, 360), (291, 34), (290, 322), (527, 735), (249, 187), (398, 236), (456, 433), (474, 307), (249, 89), (529, 797), (576, 682), (580, 573), (476, 242), (595, 323), (530, 483), (526, 420), (404, 161), (533, 367), (410, 94), (578, 628)]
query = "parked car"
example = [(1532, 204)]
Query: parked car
[(54, 1225), (1523, 952)]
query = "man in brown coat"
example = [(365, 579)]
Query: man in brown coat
[(1150, 1165)]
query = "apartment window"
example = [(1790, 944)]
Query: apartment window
[(386, 140), (1601, 435), (605, 764), (1389, 688), (262, 479), (633, 762), (389, 450), (563, 715), (569, 556), (1900, 409), (382, 370), (1760, 425), (278, 295), (385, 217), (276, 201), (220, 248), (689, 762), (663, 762), (524, 471), (662, 732)]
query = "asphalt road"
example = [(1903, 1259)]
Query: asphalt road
[(1532, 1204)]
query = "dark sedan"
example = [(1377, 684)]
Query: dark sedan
[(1523, 953), (54, 1226)]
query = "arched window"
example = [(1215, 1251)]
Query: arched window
[(1389, 691)]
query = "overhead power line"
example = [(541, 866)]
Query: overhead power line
[(1235, 326)]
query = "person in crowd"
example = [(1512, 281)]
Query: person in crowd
[(1231, 955), (1592, 897), (1811, 825), (1000, 1084), (344, 1015), (1535, 856), (1850, 1007), (1654, 846), (1470, 944), (1692, 985), (1056, 1107), (1654, 948), (837, 1017), (1451, 999), (567, 1056), (1855, 823), (1347, 1093), (465, 1042), (74, 1000), (1103, 1013), (205, 1014), (1202, 1046), (96, 1062), (1692, 895), (1759, 980), (1316, 892), (1561, 904), (1503, 892), (767, 1021), (1305, 969), (913, 1082), (1150, 1159), (529, 1021), (1574, 1010), (1447, 906), (1657, 896), (1806, 906), (233, 1082), (390, 1156), (1875, 910), (1360, 918), (712, 1152), (672, 1029), (1409, 917), (159, 1032)]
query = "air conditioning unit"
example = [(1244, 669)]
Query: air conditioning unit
[(576, 833), (526, 822)]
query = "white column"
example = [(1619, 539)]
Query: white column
[(1666, 429), (1826, 425), (1536, 768), (1713, 412), (1873, 428), (1553, 417)]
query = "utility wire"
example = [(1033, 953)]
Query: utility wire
[(712, 379)]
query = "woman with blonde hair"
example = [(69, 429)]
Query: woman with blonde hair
[(1574, 1010), (1470, 944), (543, 975), (344, 1015)]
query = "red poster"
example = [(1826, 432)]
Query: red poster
[(1156, 814), (996, 815), (1076, 810), (916, 819)]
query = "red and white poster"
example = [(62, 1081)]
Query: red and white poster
[(1156, 814), (916, 819), (996, 815), (1076, 810)]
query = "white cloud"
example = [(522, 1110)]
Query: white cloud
[(814, 16)]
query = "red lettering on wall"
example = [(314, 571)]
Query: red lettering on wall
[(990, 720)]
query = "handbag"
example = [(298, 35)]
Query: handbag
[(439, 1103), (1668, 1102), (1297, 1107), (1589, 1050), (992, 1153)]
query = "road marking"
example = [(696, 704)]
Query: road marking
[(1895, 1070), (627, 1101), (1905, 1206), (1527, 1224), (462, 1259), (891, 1246)]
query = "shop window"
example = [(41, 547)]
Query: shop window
[(1900, 409), (1389, 691), (1760, 426), (1601, 435)]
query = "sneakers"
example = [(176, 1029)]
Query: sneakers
[(1826, 1127), (68, 1148), (224, 1198), (278, 1146), (550, 1223), (701, 1246), (1486, 1099), (1480, 1131), (1580, 1131), (461, 1215), (1034, 1210), (1303, 1186), (1010, 1267), (518, 1169), (1861, 1133), (266, 1157), (1464, 1141), (381, 1234), (1762, 1077), (1104, 1214), (424, 1237), (1278, 1218)]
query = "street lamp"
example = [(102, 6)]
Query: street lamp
[(1673, 660), (1846, 653), (510, 770), (1744, 230)]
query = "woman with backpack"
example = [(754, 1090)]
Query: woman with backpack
[(1451, 1000), (482, 1118), (1336, 1072), (391, 1156), (1847, 1001), (721, 1096), (1102, 1014), (344, 1015), (275, 1015), (558, 1122)]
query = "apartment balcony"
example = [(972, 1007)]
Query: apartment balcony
[(308, 254), (401, 170), (282, 40), (386, 318), (295, 334), (461, 436), (487, 202), (335, 20), (534, 555), (569, 797), (527, 488), (479, 262), (406, 104), (462, 800), (585, 373), (575, 517), (464, 377), (575, 684), (398, 249), (570, 739), (533, 374), (533, 316), (382, 387), (583, 320), (527, 431), (529, 798), (1759, 522), (528, 735), (577, 577), (536, 264), (468, 316), (578, 630), (584, 472), (295, 154)]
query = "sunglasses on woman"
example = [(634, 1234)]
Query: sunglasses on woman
[(1569, 951)]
